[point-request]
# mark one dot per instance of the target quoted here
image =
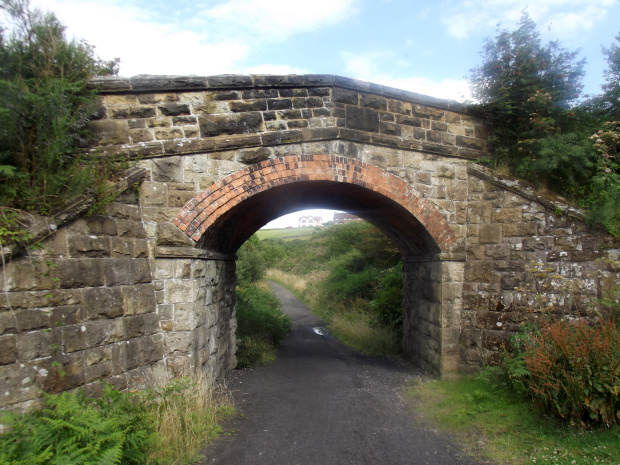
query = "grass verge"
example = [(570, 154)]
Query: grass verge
[(186, 415), (261, 325), (494, 423)]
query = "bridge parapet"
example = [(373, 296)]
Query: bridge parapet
[(153, 116)]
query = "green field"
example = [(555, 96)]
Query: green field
[(288, 234)]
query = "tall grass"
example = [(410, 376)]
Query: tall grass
[(186, 415), (357, 327)]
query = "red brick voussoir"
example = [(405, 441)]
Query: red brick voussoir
[(204, 209)]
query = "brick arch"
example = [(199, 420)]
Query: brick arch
[(364, 183)]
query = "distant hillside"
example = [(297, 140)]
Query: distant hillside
[(287, 234)]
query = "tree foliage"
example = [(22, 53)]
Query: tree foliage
[(45, 104), (528, 91), (524, 88)]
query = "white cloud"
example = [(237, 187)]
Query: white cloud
[(276, 20), (565, 17), (143, 45), (214, 40), (369, 68)]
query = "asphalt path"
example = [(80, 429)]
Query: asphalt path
[(321, 403)]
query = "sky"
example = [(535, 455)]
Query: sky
[(427, 47)]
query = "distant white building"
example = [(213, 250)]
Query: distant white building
[(343, 217), (310, 221)]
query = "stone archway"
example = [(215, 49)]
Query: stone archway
[(225, 215)]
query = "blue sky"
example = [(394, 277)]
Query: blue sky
[(422, 46)]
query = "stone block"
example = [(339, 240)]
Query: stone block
[(179, 291), (141, 135), (151, 323), (187, 317), (254, 156), (138, 299), (74, 338), (168, 133), (131, 229), (174, 109), (34, 344), (99, 371), (178, 343), (97, 355), (102, 302), (191, 132), (169, 169), (8, 349), (99, 225), (243, 123), (126, 355), (373, 101), (89, 246), (118, 272), (99, 333), (83, 272), (66, 315), (151, 349), (179, 366), (507, 215), (30, 319), (133, 111), (365, 119), (169, 235), (107, 132), (524, 229), (153, 194), (159, 122), (140, 271), (490, 234), (446, 171)]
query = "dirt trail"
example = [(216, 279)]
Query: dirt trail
[(321, 403)]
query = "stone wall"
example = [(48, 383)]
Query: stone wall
[(92, 305), (526, 255)]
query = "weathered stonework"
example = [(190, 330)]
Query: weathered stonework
[(145, 292)]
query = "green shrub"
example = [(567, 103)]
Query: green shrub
[(349, 278), (45, 103), (387, 300), (251, 265), (571, 369), (261, 325), (72, 429)]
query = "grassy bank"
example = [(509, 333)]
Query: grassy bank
[(492, 422)]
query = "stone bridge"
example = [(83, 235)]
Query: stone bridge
[(146, 291)]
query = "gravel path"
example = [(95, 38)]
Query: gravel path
[(321, 403)]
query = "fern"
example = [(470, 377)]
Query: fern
[(73, 429)]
